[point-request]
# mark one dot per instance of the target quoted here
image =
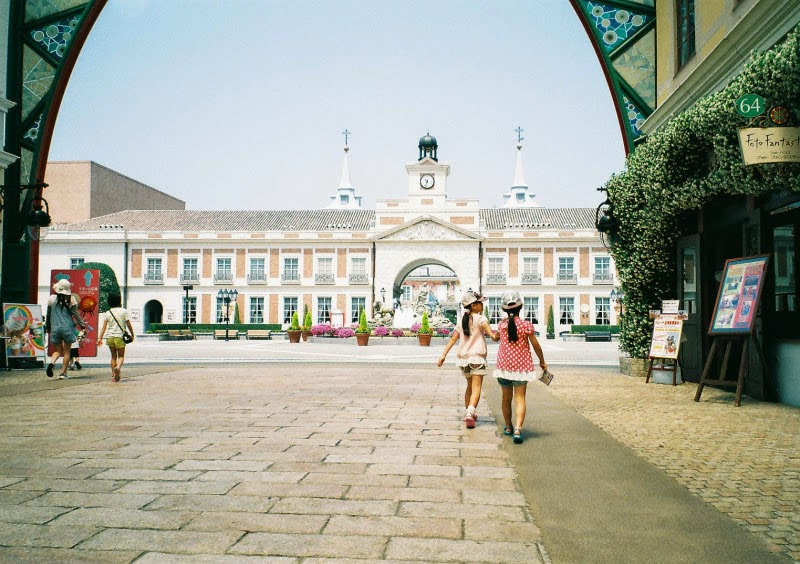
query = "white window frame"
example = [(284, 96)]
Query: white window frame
[(528, 311), (320, 310), (284, 271), (189, 307), (196, 268), (493, 311), (154, 273), (325, 260), (75, 263), (257, 303), (602, 257), (563, 308), (574, 260), (525, 262), (606, 309), (358, 260), (406, 293), (221, 260), (355, 312), (284, 315), (263, 269), (492, 262)]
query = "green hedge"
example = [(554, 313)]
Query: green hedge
[(208, 327), (584, 328)]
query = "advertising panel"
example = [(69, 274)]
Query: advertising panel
[(23, 329), (86, 291), (666, 341), (739, 295)]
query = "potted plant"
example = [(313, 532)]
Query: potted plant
[(306, 329), (551, 325), (362, 333), (424, 332), (294, 330), (381, 331), (397, 333)]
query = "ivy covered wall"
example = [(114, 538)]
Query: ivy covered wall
[(681, 167)]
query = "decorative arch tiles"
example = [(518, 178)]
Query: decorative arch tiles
[(623, 32), (39, 9), (55, 37)]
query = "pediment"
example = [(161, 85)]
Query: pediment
[(427, 229)]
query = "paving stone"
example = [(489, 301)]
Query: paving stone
[(489, 529), (238, 476), (61, 555), (414, 469), (288, 490), (321, 506), (394, 526), (258, 522), (484, 497), (187, 542), (242, 465), (389, 481), (404, 494), (140, 474), (162, 487), (459, 510), (51, 535), (310, 545), (8, 481), (165, 558), (29, 514), (199, 502), (461, 483), (441, 550), (83, 499), (55, 485), (13, 497), (126, 518)]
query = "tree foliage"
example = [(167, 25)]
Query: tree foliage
[(108, 281)]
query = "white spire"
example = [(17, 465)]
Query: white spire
[(519, 174), (345, 182)]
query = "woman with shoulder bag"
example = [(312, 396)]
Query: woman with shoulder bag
[(62, 316), (120, 332)]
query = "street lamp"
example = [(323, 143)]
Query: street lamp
[(617, 296), (227, 296), (186, 288), (383, 295)]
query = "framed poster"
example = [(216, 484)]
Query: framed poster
[(666, 341), (337, 319), (23, 328), (739, 295), (86, 291)]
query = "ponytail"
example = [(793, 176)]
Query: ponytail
[(64, 300), (465, 322), (513, 314)]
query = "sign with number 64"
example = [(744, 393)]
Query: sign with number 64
[(750, 105)]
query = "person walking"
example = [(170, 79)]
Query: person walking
[(114, 322), (515, 363), (471, 354), (75, 351), (62, 317)]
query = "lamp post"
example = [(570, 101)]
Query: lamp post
[(383, 295), (227, 296), (186, 288), (617, 297)]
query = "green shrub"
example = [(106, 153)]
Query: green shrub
[(209, 327), (551, 324), (108, 281), (425, 328), (584, 328), (236, 318), (307, 323), (295, 325), (362, 323)]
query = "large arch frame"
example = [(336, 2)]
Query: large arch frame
[(410, 267), (46, 37)]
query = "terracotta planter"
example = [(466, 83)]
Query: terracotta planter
[(424, 340), (306, 335), (362, 339), (294, 336)]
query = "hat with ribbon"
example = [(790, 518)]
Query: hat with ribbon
[(63, 287), (470, 297), (510, 300)]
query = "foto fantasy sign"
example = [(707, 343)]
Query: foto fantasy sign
[(770, 144)]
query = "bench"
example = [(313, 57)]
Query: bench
[(220, 334), (178, 335), (187, 334), (598, 336), (258, 334)]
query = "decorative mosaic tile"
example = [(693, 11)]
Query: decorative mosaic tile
[(26, 163), (37, 78), (614, 25), (633, 116), (37, 9), (32, 134), (55, 37), (637, 65)]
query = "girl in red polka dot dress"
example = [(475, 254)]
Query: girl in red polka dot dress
[(514, 361)]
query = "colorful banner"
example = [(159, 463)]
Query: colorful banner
[(23, 328), (738, 296), (86, 291), (666, 341)]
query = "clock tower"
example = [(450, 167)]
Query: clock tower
[(427, 178)]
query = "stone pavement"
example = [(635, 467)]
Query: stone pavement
[(744, 461), (230, 463)]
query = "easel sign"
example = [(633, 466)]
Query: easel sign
[(738, 299), (665, 343)]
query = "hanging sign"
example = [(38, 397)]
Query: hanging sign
[(666, 339), (770, 144), (23, 329), (86, 291), (739, 295), (750, 105)]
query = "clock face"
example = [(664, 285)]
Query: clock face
[(426, 181)]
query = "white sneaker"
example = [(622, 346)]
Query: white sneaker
[(63, 376)]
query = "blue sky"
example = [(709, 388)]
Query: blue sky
[(235, 104)]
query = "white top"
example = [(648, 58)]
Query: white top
[(112, 329)]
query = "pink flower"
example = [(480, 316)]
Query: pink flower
[(414, 328), (398, 333), (381, 331)]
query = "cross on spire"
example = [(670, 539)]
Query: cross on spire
[(346, 133), (519, 131)]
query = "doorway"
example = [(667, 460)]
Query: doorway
[(153, 311)]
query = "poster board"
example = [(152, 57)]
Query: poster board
[(739, 296), (86, 291), (23, 327), (666, 340), (337, 319)]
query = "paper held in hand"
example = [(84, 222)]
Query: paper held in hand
[(546, 377)]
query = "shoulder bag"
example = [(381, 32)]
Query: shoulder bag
[(126, 337)]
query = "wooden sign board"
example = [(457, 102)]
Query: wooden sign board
[(739, 296), (666, 340)]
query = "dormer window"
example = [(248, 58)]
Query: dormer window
[(520, 197), (345, 199)]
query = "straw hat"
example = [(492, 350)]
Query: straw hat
[(63, 287)]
